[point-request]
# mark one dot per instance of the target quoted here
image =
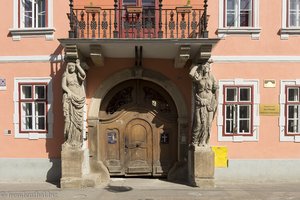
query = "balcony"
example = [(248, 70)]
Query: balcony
[(178, 33), (138, 22)]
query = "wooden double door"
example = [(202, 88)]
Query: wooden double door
[(138, 130)]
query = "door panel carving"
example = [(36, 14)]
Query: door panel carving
[(138, 147)]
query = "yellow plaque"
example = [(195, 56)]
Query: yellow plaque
[(221, 156), (269, 109)]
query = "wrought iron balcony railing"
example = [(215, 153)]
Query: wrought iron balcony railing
[(138, 22)]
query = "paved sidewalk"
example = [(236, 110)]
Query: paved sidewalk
[(152, 189)]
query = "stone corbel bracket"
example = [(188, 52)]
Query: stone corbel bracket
[(183, 55), (97, 55), (204, 54), (71, 53)]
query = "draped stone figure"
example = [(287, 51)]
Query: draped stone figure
[(205, 90), (73, 103)]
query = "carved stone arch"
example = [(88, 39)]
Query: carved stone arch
[(125, 75), (128, 74)]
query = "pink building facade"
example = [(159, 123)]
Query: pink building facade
[(148, 47)]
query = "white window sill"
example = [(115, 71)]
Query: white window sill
[(284, 138), (286, 32), (18, 33), (32, 136), (254, 32), (238, 139)]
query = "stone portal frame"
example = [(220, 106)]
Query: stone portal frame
[(120, 77)]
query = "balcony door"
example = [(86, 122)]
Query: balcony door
[(138, 18)]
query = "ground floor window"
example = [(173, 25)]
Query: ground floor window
[(290, 110), (32, 104), (33, 117), (238, 110)]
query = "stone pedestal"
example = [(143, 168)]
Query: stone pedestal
[(72, 168), (201, 165)]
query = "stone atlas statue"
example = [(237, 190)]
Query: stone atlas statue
[(73, 103), (205, 90)]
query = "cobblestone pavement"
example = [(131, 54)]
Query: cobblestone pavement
[(152, 189)]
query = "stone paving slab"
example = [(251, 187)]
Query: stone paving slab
[(152, 189)]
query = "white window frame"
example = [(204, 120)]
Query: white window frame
[(254, 31), (237, 104), (20, 32), (282, 118), (286, 30), (35, 14), (255, 120), (33, 134)]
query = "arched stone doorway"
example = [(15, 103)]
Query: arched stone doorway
[(126, 138)]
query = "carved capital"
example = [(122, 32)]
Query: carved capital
[(71, 53), (204, 54), (97, 55), (183, 55)]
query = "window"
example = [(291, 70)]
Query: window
[(32, 102), (32, 18), (294, 13), (290, 111), (145, 21), (33, 13), (290, 18), (238, 17), (33, 117), (238, 110), (238, 13)]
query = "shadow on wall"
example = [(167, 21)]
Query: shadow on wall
[(53, 144)]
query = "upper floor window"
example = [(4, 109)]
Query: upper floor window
[(32, 18), (290, 18), (144, 20), (294, 13), (239, 17), (238, 117), (239, 13), (33, 117), (33, 13)]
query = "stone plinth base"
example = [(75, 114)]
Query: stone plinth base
[(71, 166), (201, 166), (76, 169), (91, 180), (71, 183)]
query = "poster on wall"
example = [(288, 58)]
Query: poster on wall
[(2, 83)]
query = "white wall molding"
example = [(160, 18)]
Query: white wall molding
[(33, 58), (273, 58)]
